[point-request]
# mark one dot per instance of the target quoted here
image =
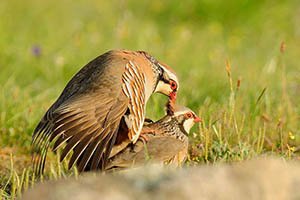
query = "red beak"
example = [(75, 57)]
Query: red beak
[(173, 97), (197, 119)]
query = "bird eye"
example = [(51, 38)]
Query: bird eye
[(173, 85), (188, 115)]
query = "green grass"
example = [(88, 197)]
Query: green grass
[(195, 38)]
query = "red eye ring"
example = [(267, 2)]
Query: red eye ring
[(173, 85), (188, 115)]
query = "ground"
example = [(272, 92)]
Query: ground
[(237, 62)]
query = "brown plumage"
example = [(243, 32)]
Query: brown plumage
[(112, 89), (167, 141)]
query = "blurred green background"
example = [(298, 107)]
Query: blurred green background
[(44, 43)]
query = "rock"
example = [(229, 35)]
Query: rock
[(257, 179)]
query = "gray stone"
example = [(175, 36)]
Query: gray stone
[(257, 179)]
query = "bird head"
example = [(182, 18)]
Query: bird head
[(185, 117), (167, 81)]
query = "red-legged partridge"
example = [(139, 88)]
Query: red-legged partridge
[(167, 141), (104, 102)]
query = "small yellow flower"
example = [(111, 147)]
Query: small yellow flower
[(292, 149), (292, 137)]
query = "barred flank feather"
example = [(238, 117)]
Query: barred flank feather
[(134, 88)]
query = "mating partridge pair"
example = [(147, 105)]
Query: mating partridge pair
[(167, 141), (101, 106)]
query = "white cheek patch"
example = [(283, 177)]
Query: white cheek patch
[(163, 87), (188, 124)]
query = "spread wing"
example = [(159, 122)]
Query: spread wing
[(85, 124), (87, 114)]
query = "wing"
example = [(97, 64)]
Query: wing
[(87, 114), (85, 126), (134, 88)]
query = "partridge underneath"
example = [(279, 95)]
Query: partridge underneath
[(102, 104), (167, 141)]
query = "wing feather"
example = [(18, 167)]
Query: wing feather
[(81, 148), (114, 120), (77, 138)]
